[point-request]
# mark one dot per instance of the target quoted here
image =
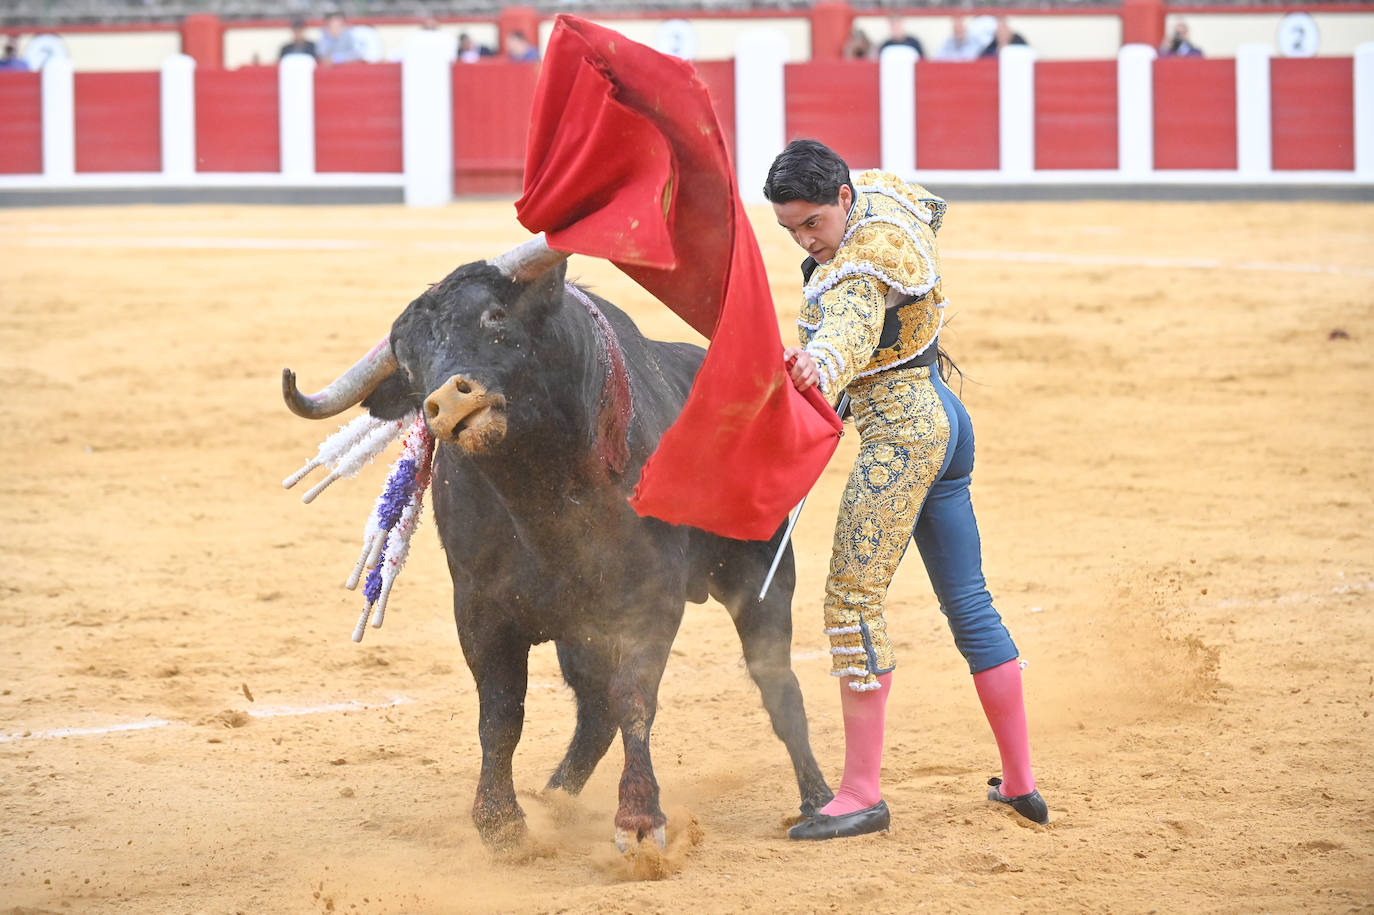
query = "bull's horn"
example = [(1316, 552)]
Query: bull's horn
[(528, 260), (347, 390)]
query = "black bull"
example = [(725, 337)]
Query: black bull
[(510, 368)]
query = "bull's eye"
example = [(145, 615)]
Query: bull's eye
[(493, 317)]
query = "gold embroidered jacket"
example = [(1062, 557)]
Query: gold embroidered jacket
[(877, 303)]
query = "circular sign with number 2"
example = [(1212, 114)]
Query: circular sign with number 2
[(1298, 36)]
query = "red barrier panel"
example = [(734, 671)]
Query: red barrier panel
[(719, 77), (491, 119), (836, 102), (1313, 110), (358, 118), (118, 122), (956, 115), (21, 124), (237, 124), (1195, 113), (1075, 114)]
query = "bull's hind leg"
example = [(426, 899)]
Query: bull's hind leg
[(500, 666), (765, 632), (587, 667)]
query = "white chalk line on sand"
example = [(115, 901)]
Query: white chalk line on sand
[(279, 711), (208, 243), (145, 724), (253, 243)]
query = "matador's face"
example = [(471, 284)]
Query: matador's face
[(817, 228)]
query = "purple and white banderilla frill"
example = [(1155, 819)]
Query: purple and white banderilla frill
[(396, 513)]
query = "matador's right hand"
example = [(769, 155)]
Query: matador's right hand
[(801, 368)]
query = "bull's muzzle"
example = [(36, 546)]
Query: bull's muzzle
[(464, 413)]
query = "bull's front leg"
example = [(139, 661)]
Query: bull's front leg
[(500, 666), (634, 702)]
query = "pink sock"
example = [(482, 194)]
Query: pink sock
[(999, 689), (865, 714)]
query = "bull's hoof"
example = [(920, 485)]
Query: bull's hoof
[(626, 839), (812, 806), (815, 793), (501, 833)]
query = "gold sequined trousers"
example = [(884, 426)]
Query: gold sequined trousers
[(903, 435)]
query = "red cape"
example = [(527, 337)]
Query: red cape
[(626, 161)]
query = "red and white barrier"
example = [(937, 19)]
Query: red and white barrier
[(426, 128), (1245, 155)]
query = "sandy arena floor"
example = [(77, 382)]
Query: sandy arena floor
[(1175, 413)]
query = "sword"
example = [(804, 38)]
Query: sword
[(792, 521)]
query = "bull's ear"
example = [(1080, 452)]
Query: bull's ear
[(541, 296)]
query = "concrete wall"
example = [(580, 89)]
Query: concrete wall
[(1219, 35), (715, 37), (109, 52)]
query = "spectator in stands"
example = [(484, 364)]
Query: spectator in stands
[(470, 52), (1178, 44), (898, 36), (337, 45), (1001, 38), (960, 45), (11, 59), (858, 47), (518, 47), (298, 44)]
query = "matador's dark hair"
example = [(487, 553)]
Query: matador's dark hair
[(807, 170)]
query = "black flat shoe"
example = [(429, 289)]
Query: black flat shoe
[(1031, 806), (821, 826)]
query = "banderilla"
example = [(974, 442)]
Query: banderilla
[(796, 514)]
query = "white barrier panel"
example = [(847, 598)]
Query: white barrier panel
[(296, 109), (1254, 113), (1364, 111), (1135, 110), (1016, 108), (897, 109), (59, 119), (760, 108), (179, 117), (427, 120)]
